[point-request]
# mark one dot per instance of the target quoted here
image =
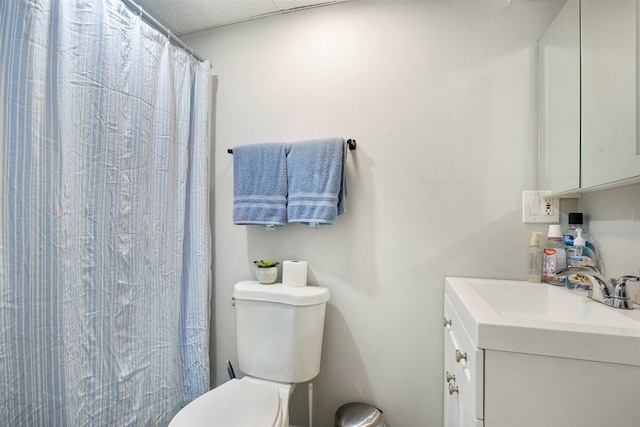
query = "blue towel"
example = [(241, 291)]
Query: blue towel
[(260, 184), (317, 180)]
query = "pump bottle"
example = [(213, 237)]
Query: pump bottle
[(579, 245), (534, 273)]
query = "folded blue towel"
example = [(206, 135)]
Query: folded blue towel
[(260, 184), (317, 180)]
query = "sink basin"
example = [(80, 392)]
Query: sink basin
[(543, 319), (528, 301)]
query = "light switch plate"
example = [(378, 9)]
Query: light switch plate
[(538, 209)]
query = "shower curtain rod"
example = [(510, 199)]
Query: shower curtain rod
[(135, 8)]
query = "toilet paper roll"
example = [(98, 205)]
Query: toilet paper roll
[(294, 273)]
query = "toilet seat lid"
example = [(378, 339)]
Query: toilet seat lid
[(236, 403)]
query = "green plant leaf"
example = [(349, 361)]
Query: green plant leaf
[(265, 263)]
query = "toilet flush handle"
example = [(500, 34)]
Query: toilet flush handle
[(233, 301), (230, 371)]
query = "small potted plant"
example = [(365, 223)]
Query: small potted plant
[(266, 270)]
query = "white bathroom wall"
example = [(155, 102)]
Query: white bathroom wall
[(441, 98)]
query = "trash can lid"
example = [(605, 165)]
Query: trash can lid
[(357, 414)]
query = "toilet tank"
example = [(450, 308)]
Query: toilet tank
[(279, 330)]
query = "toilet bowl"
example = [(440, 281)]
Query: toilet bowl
[(279, 333), (239, 403)]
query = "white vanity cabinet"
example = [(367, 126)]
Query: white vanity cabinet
[(463, 374), (531, 390), (537, 356)]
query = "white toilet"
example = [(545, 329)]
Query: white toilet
[(279, 333)]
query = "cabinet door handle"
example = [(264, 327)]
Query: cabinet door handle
[(447, 323), (460, 356), (453, 389), (450, 377)]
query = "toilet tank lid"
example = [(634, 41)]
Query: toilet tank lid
[(298, 296)]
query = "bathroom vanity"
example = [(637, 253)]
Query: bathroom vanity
[(531, 355)]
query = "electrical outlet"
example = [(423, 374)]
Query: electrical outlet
[(548, 206), (536, 208)]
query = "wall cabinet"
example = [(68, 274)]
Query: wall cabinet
[(559, 102), (589, 53), (507, 389), (610, 147)]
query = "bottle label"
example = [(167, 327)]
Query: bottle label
[(568, 239), (549, 263)]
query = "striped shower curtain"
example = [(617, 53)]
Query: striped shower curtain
[(104, 238)]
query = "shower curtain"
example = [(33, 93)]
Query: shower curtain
[(104, 238)]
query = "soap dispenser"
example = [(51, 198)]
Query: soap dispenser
[(535, 259), (580, 255), (579, 245)]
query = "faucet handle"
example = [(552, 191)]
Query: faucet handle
[(621, 283), (620, 286)]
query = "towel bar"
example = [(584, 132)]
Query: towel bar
[(350, 142)]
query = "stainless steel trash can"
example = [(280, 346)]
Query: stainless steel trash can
[(359, 415)]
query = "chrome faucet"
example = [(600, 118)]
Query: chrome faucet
[(612, 292)]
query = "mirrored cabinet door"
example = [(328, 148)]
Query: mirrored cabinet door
[(559, 102), (610, 147)]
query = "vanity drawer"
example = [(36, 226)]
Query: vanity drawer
[(467, 362)]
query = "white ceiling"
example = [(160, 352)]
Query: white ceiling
[(186, 16)]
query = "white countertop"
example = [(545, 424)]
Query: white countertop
[(537, 318)]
